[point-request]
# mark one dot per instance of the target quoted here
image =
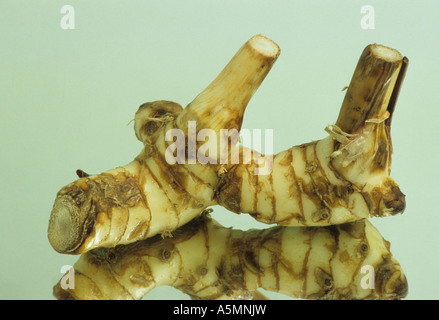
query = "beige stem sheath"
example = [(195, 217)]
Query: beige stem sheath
[(222, 104), (371, 87)]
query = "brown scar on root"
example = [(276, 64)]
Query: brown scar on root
[(208, 261)]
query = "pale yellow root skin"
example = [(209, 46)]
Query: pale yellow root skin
[(342, 178), (327, 182), (92, 211), (208, 261)]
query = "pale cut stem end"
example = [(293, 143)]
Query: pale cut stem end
[(385, 53), (222, 104), (264, 46)]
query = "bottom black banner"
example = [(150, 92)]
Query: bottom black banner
[(223, 309)]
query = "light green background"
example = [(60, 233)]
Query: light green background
[(66, 97)]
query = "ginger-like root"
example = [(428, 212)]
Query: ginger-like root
[(149, 196), (344, 177), (208, 261)]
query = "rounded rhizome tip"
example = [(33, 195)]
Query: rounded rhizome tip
[(63, 231)]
